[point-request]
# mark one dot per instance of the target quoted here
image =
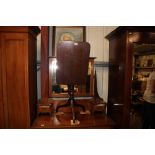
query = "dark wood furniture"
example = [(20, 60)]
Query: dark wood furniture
[(72, 61), (18, 89), (47, 95), (121, 45), (50, 99)]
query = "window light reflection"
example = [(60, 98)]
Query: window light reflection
[(53, 66)]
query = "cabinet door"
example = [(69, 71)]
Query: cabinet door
[(1, 99), (14, 51)]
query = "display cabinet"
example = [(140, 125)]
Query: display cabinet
[(122, 43), (143, 61)]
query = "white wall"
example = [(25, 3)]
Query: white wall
[(95, 35)]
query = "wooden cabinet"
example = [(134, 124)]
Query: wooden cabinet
[(121, 48), (18, 90)]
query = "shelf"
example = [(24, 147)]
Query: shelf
[(101, 64), (143, 67)]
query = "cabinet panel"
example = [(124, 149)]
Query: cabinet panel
[(32, 75), (15, 60), (18, 92), (1, 99)]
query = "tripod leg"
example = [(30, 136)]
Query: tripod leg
[(73, 112), (64, 105), (74, 120), (79, 105)]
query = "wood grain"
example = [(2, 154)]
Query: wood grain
[(18, 76)]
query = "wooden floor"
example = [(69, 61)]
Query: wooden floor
[(64, 121), (135, 121), (87, 120)]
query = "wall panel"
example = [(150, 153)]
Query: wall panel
[(95, 35)]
